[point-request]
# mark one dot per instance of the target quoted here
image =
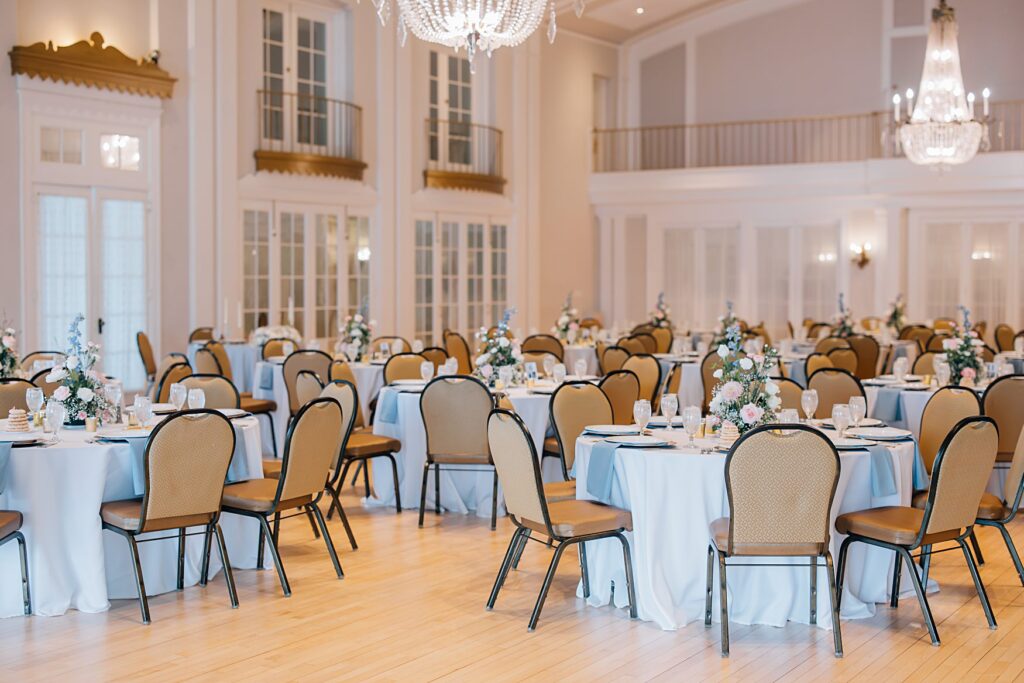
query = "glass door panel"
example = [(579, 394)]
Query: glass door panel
[(63, 244), (123, 301), (293, 269)]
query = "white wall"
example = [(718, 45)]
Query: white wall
[(663, 88), (123, 23)]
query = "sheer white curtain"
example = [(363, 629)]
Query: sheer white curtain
[(681, 288), (819, 259), (942, 265), (124, 311), (63, 272), (773, 276), (700, 274), (989, 269)]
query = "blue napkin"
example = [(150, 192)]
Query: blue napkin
[(238, 468), (387, 409), (888, 407), (267, 377), (797, 374), (5, 456), (883, 474), (601, 470), (138, 447), (921, 478)]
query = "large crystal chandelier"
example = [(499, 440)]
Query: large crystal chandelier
[(476, 25), (942, 129)]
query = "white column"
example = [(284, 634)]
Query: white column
[(202, 215), (606, 269), (229, 232), (392, 284), (620, 268), (12, 288), (525, 174)]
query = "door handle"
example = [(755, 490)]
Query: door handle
[(99, 325)]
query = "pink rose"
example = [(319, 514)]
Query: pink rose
[(81, 415), (950, 344), (968, 373), (9, 341), (751, 413), (731, 391), (61, 393)]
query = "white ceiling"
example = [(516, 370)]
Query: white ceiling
[(617, 20)]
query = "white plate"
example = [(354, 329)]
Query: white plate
[(915, 386), (880, 433), (409, 383), (851, 444), (611, 430), (123, 433), (232, 413), (912, 378), (866, 422), (637, 441), (880, 381), (163, 408), (20, 437)]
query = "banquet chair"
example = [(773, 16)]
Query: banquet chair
[(917, 333), (980, 328), (711, 362), (613, 358), (648, 341), (395, 345), (537, 357), (220, 392), (341, 370), (403, 366), (165, 363), (642, 328), (632, 345), (943, 324), (274, 348), (591, 323), (51, 358), (871, 323), (663, 338), (10, 530), (456, 347), (924, 364), (833, 386), (221, 355), (1004, 337), (544, 342), (761, 331), (205, 362), (816, 330), (996, 512), (987, 354), (200, 334), (648, 371), (147, 357), (675, 378), (454, 411), (867, 351), (934, 342), (257, 406), (573, 406), (828, 343), (311, 448), (815, 362), (174, 374), (435, 355), (39, 379), (185, 464), (789, 393), (622, 387), (565, 523), (943, 411), (1003, 401), (307, 386), (844, 358), (790, 329), (317, 362), (778, 511), (959, 475)]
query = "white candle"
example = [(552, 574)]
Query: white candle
[(970, 104), (291, 311), (910, 103), (241, 320), (984, 97), (224, 316), (896, 107)]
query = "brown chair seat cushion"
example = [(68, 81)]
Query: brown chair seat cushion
[(124, 514), (1004, 456), (581, 518), (10, 521), (365, 444), (272, 468), (990, 507), (720, 534), (244, 394), (560, 490), (257, 495), (258, 405), (893, 524), (551, 445)]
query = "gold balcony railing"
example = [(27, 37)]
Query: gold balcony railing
[(463, 156), (820, 139), (309, 135)]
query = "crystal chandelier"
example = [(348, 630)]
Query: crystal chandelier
[(476, 25), (942, 129)]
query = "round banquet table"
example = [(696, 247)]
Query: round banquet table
[(243, 358), (675, 493), (461, 491), (587, 354), (73, 563), (691, 385)]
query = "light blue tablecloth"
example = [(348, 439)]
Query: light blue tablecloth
[(888, 407), (5, 456), (387, 409), (267, 377), (883, 474), (601, 470)]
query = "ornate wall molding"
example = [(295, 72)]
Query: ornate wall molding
[(89, 63)]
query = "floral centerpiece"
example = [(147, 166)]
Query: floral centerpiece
[(9, 362), (842, 322), (745, 396), (659, 316), (962, 352), (81, 385), (355, 334), (498, 350), (568, 320), (897, 315), (724, 323), (261, 335)]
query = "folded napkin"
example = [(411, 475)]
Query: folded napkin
[(601, 470), (888, 407), (883, 474), (921, 479), (238, 468), (138, 447), (267, 377), (387, 409), (5, 457)]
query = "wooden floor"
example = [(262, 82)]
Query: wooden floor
[(411, 608)]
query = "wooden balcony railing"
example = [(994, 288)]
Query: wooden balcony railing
[(779, 141), (464, 156), (309, 135)]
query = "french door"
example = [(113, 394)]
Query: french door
[(451, 111), (91, 246)]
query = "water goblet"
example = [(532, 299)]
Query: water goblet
[(426, 371), (900, 367), (642, 413), (549, 365), (669, 406), (178, 395), (789, 416), (570, 336), (841, 418), (691, 422), (56, 413), (858, 410), (112, 392), (558, 373), (34, 399), (143, 409), (580, 368), (196, 399), (505, 375), (417, 346), (809, 402)]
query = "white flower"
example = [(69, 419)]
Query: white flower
[(746, 363), (56, 374), (723, 350), (486, 371), (71, 363), (85, 394), (358, 317), (563, 321), (717, 374), (9, 341), (715, 404), (751, 413), (731, 391), (950, 344), (771, 388), (503, 342), (356, 333), (774, 402), (61, 393), (483, 360)]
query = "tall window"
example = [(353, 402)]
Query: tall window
[(773, 279), (449, 302), (942, 269), (63, 240), (424, 296), (295, 58), (326, 257), (820, 246), (719, 266), (680, 276), (451, 109), (989, 256), (475, 276), (311, 81), (293, 269), (273, 74), (124, 286), (499, 270), (358, 249), (256, 268)]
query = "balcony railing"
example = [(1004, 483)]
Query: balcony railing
[(779, 141), (310, 135), (464, 156)]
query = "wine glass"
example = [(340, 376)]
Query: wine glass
[(900, 367), (56, 413), (841, 418), (549, 365), (570, 337), (112, 392), (789, 416), (691, 421), (143, 409), (34, 399), (559, 373), (196, 399), (178, 395), (669, 406), (642, 413), (858, 410), (580, 367), (417, 346), (505, 374), (809, 402), (426, 371)]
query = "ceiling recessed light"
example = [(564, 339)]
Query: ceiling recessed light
[(639, 10)]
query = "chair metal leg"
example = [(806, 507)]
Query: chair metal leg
[(423, 491), (977, 549), (1012, 548), (181, 559), (897, 574), (327, 538), (140, 583), (922, 599), (506, 563), (366, 476), (312, 524), (341, 483), (275, 554), (844, 549), (980, 587), (398, 489), (494, 502), (584, 571), (259, 550), (814, 590), (204, 573), (546, 586), (336, 505), (837, 636), (707, 590), (359, 468), (229, 576), (724, 598), (437, 488), (523, 540), (926, 564), (26, 593), (627, 560)]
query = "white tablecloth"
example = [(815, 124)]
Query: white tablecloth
[(243, 358), (675, 494), (579, 352), (73, 563), (691, 386), (460, 491)]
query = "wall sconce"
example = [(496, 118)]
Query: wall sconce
[(826, 257), (981, 256), (861, 254)]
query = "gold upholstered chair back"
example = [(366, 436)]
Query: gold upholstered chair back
[(647, 368), (403, 366), (815, 362), (844, 359), (833, 386), (711, 362), (1003, 401), (944, 410), (544, 342), (455, 410), (205, 363), (613, 358), (175, 374), (960, 474), (867, 351), (221, 354), (1004, 337), (517, 464), (219, 391), (12, 394), (149, 360), (663, 338), (317, 362), (789, 393), (622, 388), (312, 447), (575, 405), (456, 347), (307, 386), (828, 343)]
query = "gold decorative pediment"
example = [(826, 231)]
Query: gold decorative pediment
[(89, 63)]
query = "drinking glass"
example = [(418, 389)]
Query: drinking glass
[(1005, 369), (426, 371), (196, 399), (505, 374), (55, 414), (179, 393), (841, 418), (399, 346), (112, 392), (858, 410), (34, 399), (549, 365), (385, 350), (530, 370), (417, 346), (789, 416), (570, 336), (691, 421), (669, 406), (900, 367), (559, 373), (580, 367), (288, 348), (809, 402), (143, 409), (642, 413)]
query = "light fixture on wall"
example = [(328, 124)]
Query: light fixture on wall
[(826, 257), (941, 128), (981, 256), (476, 25), (861, 253), (363, 254), (639, 10)]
